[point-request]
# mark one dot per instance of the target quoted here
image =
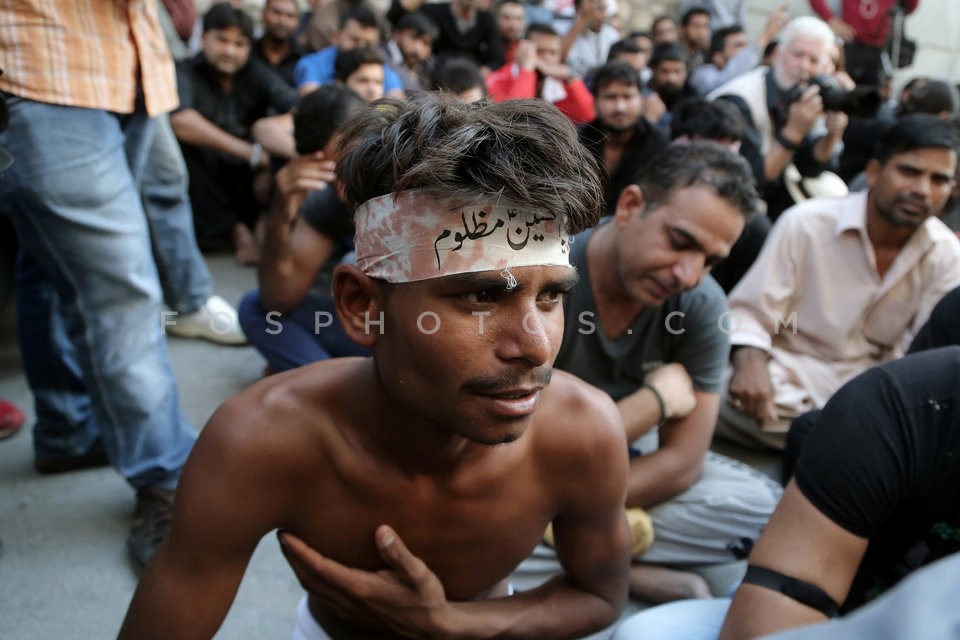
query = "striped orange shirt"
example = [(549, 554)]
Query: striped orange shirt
[(86, 53)]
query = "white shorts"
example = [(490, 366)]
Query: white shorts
[(308, 629)]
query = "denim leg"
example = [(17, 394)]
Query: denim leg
[(75, 204), (184, 276), (293, 340), (65, 426)]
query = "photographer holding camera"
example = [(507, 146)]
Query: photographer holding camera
[(785, 111), (865, 28)]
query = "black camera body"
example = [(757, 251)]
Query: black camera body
[(859, 102)]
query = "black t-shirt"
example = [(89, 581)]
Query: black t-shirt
[(883, 462), (257, 92), (285, 67), (481, 41), (326, 214), (942, 328), (647, 142)]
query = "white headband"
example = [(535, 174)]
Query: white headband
[(407, 236)]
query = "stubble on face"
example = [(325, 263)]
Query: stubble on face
[(911, 187)]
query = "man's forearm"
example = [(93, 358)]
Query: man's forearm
[(777, 158), (640, 412), (825, 146), (557, 609), (579, 26), (276, 135), (276, 264), (193, 128), (658, 476), (678, 461), (741, 355)]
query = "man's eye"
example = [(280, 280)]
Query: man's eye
[(481, 297), (553, 295)]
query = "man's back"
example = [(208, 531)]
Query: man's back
[(882, 467)]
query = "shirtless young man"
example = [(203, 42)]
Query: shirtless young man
[(426, 473)]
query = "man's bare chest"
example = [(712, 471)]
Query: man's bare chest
[(471, 534)]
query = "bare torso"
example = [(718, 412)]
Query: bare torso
[(471, 513)]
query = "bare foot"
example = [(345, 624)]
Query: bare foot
[(246, 249), (659, 584)]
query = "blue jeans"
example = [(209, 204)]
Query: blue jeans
[(89, 299), (293, 339), (681, 620), (184, 277)]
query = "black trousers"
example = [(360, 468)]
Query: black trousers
[(221, 191), (864, 63)]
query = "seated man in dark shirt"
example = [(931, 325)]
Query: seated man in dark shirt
[(465, 30), (222, 94), (669, 77), (620, 138), (942, 328), (290, 319), (277, 47), (410, 49), (875, 496)]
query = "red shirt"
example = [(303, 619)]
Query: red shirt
[(503, 85), (870, 19), (509, 50)]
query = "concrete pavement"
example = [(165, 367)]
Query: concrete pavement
[(64, 571)]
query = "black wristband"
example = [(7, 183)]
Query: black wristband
[(800, 590), (786, 144), (663, 405)]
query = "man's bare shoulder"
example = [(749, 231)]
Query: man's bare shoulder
[(576, 413), (295, 413), (567, 392), (580, 444)]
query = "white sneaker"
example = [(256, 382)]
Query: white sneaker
[(215, 321)]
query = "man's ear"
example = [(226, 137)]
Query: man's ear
[(629, 204), (358, 299), (873, 170)]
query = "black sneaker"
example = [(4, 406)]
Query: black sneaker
[(97, 457), (151, 523)]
